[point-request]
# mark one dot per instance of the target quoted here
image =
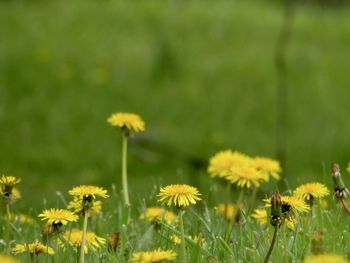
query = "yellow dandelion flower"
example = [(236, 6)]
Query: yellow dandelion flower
[(77, 206), (58, 217), (157, 214), (74, 239), (221, 163), (198, 239), (88, 191), (130, 121), (311, 190), (325, 258), (7, 183), (291, 204), (35, 248), (267, 167), (176, 239), (245, 176), (229, 211), (179, 195), (260, 215), (14, 195), (157, 255), (7, 259)]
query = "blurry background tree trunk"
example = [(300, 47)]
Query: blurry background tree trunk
[(282, 87)]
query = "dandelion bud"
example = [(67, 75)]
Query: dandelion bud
[(114, 241), (276, 208), (340, 190)]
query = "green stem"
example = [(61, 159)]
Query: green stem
[(272, 244), (83, 241), (8, 218), (183, 245), (124, 170), (285, 243), (252, 200)]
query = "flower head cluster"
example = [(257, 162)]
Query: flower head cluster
[(157, 255), (73, 238), (268, 167), (84, 198), (7, 184), (243, 170), (221, 163), (179, 195), (245, 176), (157, 215), (311, 191), (78, 207), (128, 121), (58, 217), (35, 248)]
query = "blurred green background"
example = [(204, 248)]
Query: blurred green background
[(200, 73)]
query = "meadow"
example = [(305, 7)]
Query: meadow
[(201, 75)]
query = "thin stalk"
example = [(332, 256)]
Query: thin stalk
[(7, 218), (272, 244), (124, 169), (345, 206), (183, 245), (285, 244), (83, 241)]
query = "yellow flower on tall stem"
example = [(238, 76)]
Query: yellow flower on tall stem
[(154, 256), (57, 217), (127, 122), (87, 194), (311, 191), (180, 196), (7, 186)]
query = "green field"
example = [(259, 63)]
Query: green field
[(200, 73)]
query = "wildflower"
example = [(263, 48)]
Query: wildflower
[(267, 167), (77, 205), (127, 121), (221, 163), (291, 204), (88, 192), (157, 214), (58, 217), (179, 195), (310, 191), (114, 241), (7, 184), (229, 211), (74, 239), (176, 239), (260, 215), (35, 248), (245, 176), (325, 258), (157, 255), (7, 259)]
